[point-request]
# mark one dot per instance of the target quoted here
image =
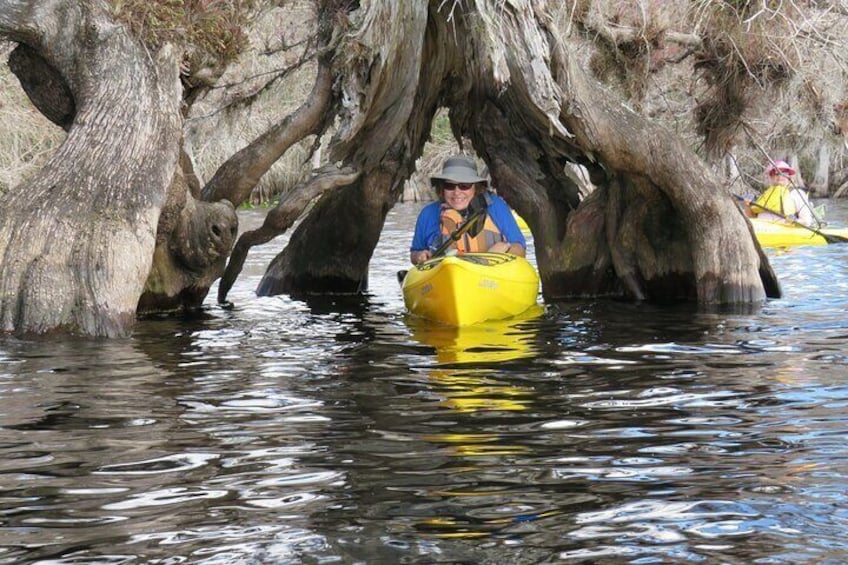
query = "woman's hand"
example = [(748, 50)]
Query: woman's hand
[(500, 247), (506, 247), (418, 257), (747, 209)]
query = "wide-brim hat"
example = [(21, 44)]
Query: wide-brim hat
[(781, 167), (458, 170)]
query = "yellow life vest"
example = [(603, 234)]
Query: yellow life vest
[(777, 198), (490, 234)]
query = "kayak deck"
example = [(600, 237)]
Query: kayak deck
[(466, 289)]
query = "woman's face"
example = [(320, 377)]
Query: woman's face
[(779, 178), (458, 196)]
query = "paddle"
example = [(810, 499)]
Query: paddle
[(470, 224), (829, 238)]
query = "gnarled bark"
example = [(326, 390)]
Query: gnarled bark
[(386, 72), (138, 230), (666, 224), (667, 230), (77, 239), (122, 118), (193, 241), (326, 254), (281, 218)]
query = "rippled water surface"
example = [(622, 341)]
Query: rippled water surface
[(343, 431)]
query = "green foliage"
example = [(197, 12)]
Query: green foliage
[(441, 131)]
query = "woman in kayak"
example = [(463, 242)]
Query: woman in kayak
[(782, 199), (463, 195)]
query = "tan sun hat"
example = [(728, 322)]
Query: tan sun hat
[(460, 170)]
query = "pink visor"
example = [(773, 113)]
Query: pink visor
[(780, 166)]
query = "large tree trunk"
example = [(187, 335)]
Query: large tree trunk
[(327, 254), (385, 124), (135, 235), (661, 228), (668, 230), (77, 239), (117, 221)]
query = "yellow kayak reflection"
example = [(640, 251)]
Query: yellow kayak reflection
[(467, 380), (465, 388), (485, 342)]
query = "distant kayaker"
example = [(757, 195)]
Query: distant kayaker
[(783, 196), (462, 194)]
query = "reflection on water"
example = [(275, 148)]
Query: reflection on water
[(343, 430), (488, 342), (487, 345)]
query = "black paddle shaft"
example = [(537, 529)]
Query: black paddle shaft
[(459, 231), (470, 223)]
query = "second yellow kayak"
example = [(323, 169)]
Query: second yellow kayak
[(778, 234)]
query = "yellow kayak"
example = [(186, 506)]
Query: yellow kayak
[(465, 289), (778, 234)]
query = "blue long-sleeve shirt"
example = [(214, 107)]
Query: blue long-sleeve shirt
[(428, 230)]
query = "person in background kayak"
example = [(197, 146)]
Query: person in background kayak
[(782, 196), (462, 191)]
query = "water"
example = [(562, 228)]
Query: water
[(342, 431)]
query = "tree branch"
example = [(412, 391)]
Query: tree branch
[(237, 177), (282, 217)]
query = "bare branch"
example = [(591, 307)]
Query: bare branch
[(236, 178), (282, 217)]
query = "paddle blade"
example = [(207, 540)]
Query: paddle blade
[(830, 238), (477, 219), (477, 224)]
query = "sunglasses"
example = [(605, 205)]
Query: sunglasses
[(463, 187)]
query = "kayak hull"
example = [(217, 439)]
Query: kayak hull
[(470, 288), (776, 234)]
